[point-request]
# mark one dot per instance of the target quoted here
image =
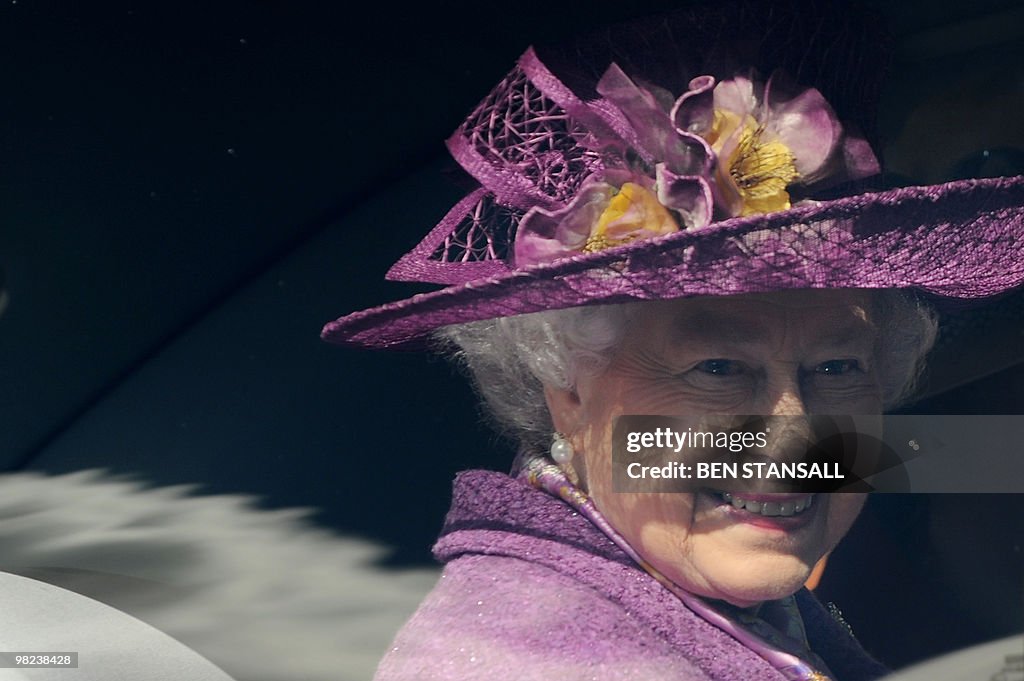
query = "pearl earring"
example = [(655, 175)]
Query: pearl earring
[(561, 449)]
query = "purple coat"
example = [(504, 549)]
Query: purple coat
[(533, 590)]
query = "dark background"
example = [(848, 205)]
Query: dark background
[(188, 191)]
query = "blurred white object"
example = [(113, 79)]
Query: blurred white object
[(265, 595), (1001, 660), (111, 645)]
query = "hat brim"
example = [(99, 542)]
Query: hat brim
[(956, 240)]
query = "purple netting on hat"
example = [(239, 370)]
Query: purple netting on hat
[(962, 239)]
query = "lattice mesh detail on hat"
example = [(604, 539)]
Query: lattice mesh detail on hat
[(485, 233), (470, 242), (521, 129)]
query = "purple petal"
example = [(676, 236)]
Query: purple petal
[(617, 177), (664, 98), (684, 153), (690, 196), (639, 106), (581, 216), (690, 155), (860, 160), (547, 235), (806, 124), (694, 111), (736, 95), (824, 152), (726, 194), (531, 249)]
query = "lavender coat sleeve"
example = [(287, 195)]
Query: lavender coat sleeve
[(532, 590)]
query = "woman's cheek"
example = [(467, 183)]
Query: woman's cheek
[(866, 401)]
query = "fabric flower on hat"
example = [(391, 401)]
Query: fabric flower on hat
[(657, 178), (769, 138), (601, 215), (723, 150)]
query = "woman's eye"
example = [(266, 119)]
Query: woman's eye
[(720, 367), (837, 367)]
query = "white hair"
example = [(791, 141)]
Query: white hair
[(511, 359)]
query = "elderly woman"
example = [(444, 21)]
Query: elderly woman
[(631, 250)]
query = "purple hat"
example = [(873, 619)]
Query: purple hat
[(629, 192)]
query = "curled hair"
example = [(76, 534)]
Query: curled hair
[(512, 359)]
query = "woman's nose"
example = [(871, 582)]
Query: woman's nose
[(782, 395), (783, 400), (788, 403)]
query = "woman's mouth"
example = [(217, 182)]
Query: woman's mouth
[(769, 505)]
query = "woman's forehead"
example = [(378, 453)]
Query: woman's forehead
[(828, 315), (855, 301)]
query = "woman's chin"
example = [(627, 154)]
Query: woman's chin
[(751, 579), (745, 591)]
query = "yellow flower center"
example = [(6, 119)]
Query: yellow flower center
[(598, 242), (632, 213), (761, 170)]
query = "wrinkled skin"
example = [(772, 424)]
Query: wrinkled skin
[(787, 353)]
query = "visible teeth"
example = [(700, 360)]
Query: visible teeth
[(769, 508)]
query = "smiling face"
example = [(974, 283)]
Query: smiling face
[(786, 353)]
